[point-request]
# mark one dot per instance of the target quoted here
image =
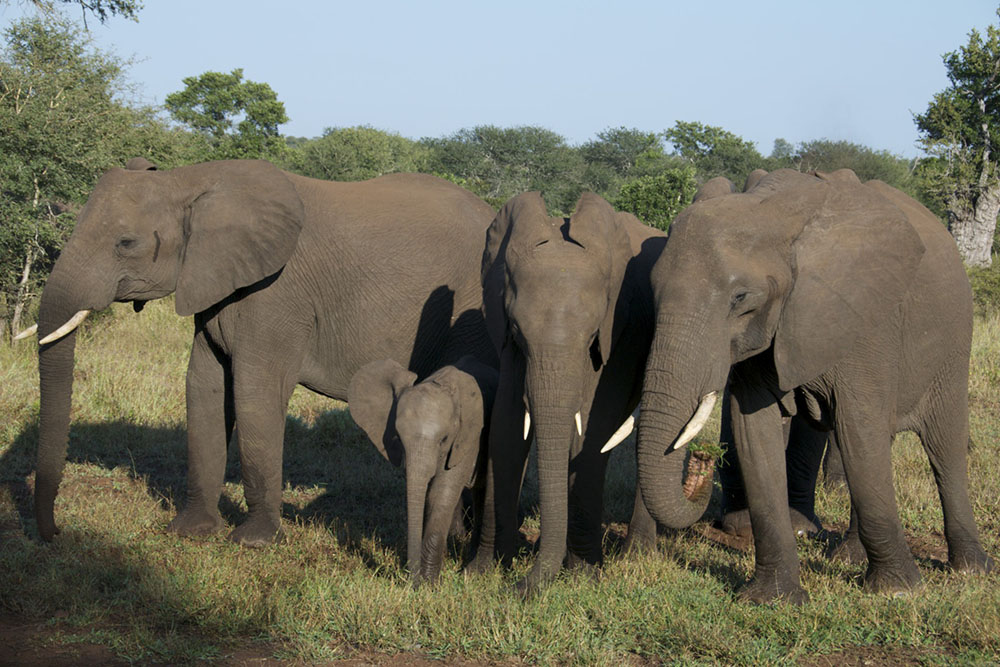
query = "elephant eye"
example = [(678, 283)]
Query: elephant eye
[(742, 303), (126, 243)]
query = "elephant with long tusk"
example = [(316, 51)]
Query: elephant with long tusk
[(290, 281), (569, 306)]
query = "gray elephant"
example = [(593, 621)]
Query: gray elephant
[(438, 427), (817, 295), (290, 280), (569, 306)]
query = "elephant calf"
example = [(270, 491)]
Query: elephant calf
[(437, 426)]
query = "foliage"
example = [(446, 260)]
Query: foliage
[(357, 154), (498, 163), (337, 587), (63, 126), (960, 129), (102, 9), (867, 163), (238, 119), (656, 200), (985, 288), (714, 151)]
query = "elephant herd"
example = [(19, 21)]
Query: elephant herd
[(458, 335)]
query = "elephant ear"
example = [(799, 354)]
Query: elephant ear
[(241, 225), (853, 263), (140, 164), (473, 387), (372, 395), (494, 266), (753, 179), (602, 231)]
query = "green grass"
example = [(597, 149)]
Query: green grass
[(115, 577)]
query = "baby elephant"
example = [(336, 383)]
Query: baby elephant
[(438, 427)]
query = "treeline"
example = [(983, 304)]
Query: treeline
[(66, 116)]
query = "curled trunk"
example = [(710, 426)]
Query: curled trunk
[(669, 401)]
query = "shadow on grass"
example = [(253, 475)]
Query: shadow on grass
[(332, 476)]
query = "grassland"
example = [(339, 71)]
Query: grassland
[(336, 587)]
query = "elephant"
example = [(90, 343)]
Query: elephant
[(290, 280), (438, 427), (821, 296), (569, 306)]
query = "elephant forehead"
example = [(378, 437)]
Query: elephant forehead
[(426, 410)]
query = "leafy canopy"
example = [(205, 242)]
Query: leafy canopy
[(237, 118)]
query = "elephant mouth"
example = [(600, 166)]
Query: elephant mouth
[(700, 472)]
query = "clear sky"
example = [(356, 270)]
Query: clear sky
[(854, 69)]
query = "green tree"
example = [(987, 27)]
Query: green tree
[(62, 127), (714, 151), (237, 118), (619, 154), (960, 130), (102, 9), (867, 163), (497, 163), (359, 153), (657, 199)]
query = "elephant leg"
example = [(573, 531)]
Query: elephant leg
[(803, 457), (849, 549), (507, 455), (210, 421), (865, 449), (759, 437), (260, 412), (945, 436), (833, 466), (585, 536), (641, 527)]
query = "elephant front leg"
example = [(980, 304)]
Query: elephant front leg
[(260, 413), (210, 425), (759, 440)]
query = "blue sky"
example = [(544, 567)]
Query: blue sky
[(854, 70)]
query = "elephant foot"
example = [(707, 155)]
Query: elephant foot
[(737, 523), (848, 550), (641, 538), (192, 521), (258, 532), (763, 590), (481, 563), (804, 526), (898, 580), (540, 575), (971, 561)]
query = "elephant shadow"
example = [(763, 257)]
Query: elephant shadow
[(332, 476)]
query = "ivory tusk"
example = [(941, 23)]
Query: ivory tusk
[(622, 433), (27, 332), (527, 423), (73, 323), (698, 420), (579, 423)]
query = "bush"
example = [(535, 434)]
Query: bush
[(986, 288), (656, 200)]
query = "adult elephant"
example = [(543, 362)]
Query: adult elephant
[(290, 280), (819, 295), (568, 304)]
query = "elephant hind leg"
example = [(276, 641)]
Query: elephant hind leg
[(865, 448), (945, 437)]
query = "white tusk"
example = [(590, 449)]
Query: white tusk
[(73, 323), (579, 424), (27, 332), (527, 423), (621, 433), (698, 420)]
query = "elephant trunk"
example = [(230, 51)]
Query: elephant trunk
[(64, 296), (553, 397), (418, 478), (670, 402)]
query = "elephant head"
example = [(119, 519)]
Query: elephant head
[(436, 427), (793, 271), (202, 231), (551, 300)]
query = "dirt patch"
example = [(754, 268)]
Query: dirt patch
[(879, 655)]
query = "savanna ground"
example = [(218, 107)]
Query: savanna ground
[(114, 587)]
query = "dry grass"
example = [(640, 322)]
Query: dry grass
[(115, 577)]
